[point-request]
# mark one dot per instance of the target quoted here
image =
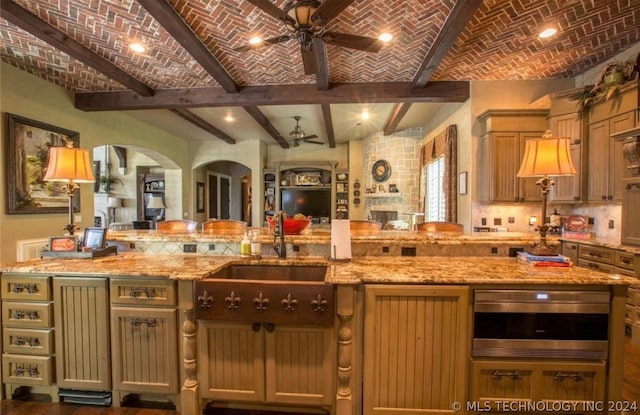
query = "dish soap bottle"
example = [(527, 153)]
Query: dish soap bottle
[(245, 246), (255, 245)]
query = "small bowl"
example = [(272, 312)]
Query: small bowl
[(291, 226)]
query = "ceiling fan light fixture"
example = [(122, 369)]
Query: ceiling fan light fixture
[(301, 23), (297, 133), (255, 40), (547, 32), (137, 47), (385, 37)]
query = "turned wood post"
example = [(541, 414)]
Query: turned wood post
[(344, 395)]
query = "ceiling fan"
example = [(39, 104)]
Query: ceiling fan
[(306, 20), (297, 135)]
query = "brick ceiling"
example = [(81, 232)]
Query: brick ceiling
[(498, 42)]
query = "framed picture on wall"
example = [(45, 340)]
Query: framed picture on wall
[(462, 183), (28, 143), (199, 197)]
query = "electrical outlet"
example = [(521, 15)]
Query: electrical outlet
[(212, 247), (511, 219), (494, 250), (408, 251), (483, 221), (611, 224), (189, 248), (385, 249), (592, 221), (497, 221)]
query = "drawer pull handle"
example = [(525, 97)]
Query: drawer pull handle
[(289, 304), (23, 341), (261, 302), (514, 375), (30, 288), (205, 300), (625, 261), (140, 292), (150, 322), (21, 372), (25, 314), (319, 304), (233, 301), (576, 376)]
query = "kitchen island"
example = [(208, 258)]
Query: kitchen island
[(154, 294)]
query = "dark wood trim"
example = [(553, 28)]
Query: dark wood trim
[(328, 124), (41, 29), (397, 113), (299, 94), (266, 124)]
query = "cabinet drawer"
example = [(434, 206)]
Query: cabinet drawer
[(143, 292), (27, 370), (598, 266), (596, 253), (572, 382), (624, 260), (498, 381), (27, 314), (27, 341), (26, 288)]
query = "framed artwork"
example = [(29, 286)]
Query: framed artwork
[(94, 238), (200, 197), (28, 144), (462, 183), (62, 243)]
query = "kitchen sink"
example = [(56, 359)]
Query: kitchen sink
[(272, 272), (266, 293)]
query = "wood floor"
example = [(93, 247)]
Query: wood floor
[(630, 392)]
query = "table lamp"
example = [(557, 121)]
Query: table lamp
[(156, 203), (544, 157), (70, 166), (113, 203)]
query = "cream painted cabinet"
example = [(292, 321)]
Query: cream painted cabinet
[(606, 159), (81, 311), (495, 382), (630, 212), (570, 188), (144, 337), (416, 348), (258, 363)]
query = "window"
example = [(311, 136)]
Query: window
[(435, 197)]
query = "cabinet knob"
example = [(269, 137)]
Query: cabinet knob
[(255, 327), (609, 197), (603, 197), (270, 327), (576, 198)]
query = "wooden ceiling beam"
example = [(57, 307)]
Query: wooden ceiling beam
[(194, 119), (299, 94), (456, 21), (182, 33), (328, 124), (41, 29), (266, 125)]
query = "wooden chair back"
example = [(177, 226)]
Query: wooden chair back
[(177, 225)]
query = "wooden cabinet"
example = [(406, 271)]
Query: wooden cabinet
[(501, 149), (342, 194), (269, 201), (596, 257), (144, 337), (570, 250), (630, 221), (606, 161), (27, 333), (82, 333), (570, 189), (416, 348), (498, 381), (258, 363)]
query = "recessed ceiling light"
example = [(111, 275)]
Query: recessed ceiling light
[(255, 40), (548, 32), (385, 37), (137, 47), (365, 115), (229, 118)]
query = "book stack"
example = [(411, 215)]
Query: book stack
[(544, 261)]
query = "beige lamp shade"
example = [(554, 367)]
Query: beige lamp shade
[(69, 164), (114, 202), (155, 203), (547, 157)]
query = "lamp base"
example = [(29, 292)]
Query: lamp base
[(541, 250)]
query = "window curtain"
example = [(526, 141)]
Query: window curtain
[(446, 144)]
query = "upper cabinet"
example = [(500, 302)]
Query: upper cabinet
[(501, 149)]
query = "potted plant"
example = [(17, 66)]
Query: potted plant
[(613, 76), (108, 181)]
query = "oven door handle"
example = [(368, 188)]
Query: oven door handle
[(514, 375), (568, 308)]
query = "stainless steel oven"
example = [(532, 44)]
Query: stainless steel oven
[(548, 324)]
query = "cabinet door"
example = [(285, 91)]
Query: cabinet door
[(630, 218), (231, 361), (528, 190), (598, 188), (144, 345), (617, 162), (415, 349), (82, 333), (571, 382), (568, 188), (300, 365), (506, 162)]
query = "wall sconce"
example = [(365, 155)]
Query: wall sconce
[(544, 157), (70, 166)]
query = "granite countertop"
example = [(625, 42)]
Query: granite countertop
[(400, 270)]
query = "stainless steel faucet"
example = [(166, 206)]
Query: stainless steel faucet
[(278, 233)]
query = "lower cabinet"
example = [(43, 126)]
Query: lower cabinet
[(494, 382), (267, 363), (416, 348), (144, 337), (81, 312)]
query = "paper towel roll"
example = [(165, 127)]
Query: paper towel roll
[(340, 239)]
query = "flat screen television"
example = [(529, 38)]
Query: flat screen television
[(310, 202)]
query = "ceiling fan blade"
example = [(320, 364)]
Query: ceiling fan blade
[(308, 61), (314, 142), (308, 137), (264, 43), (330, 9), (367, 44), (268, 7)]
